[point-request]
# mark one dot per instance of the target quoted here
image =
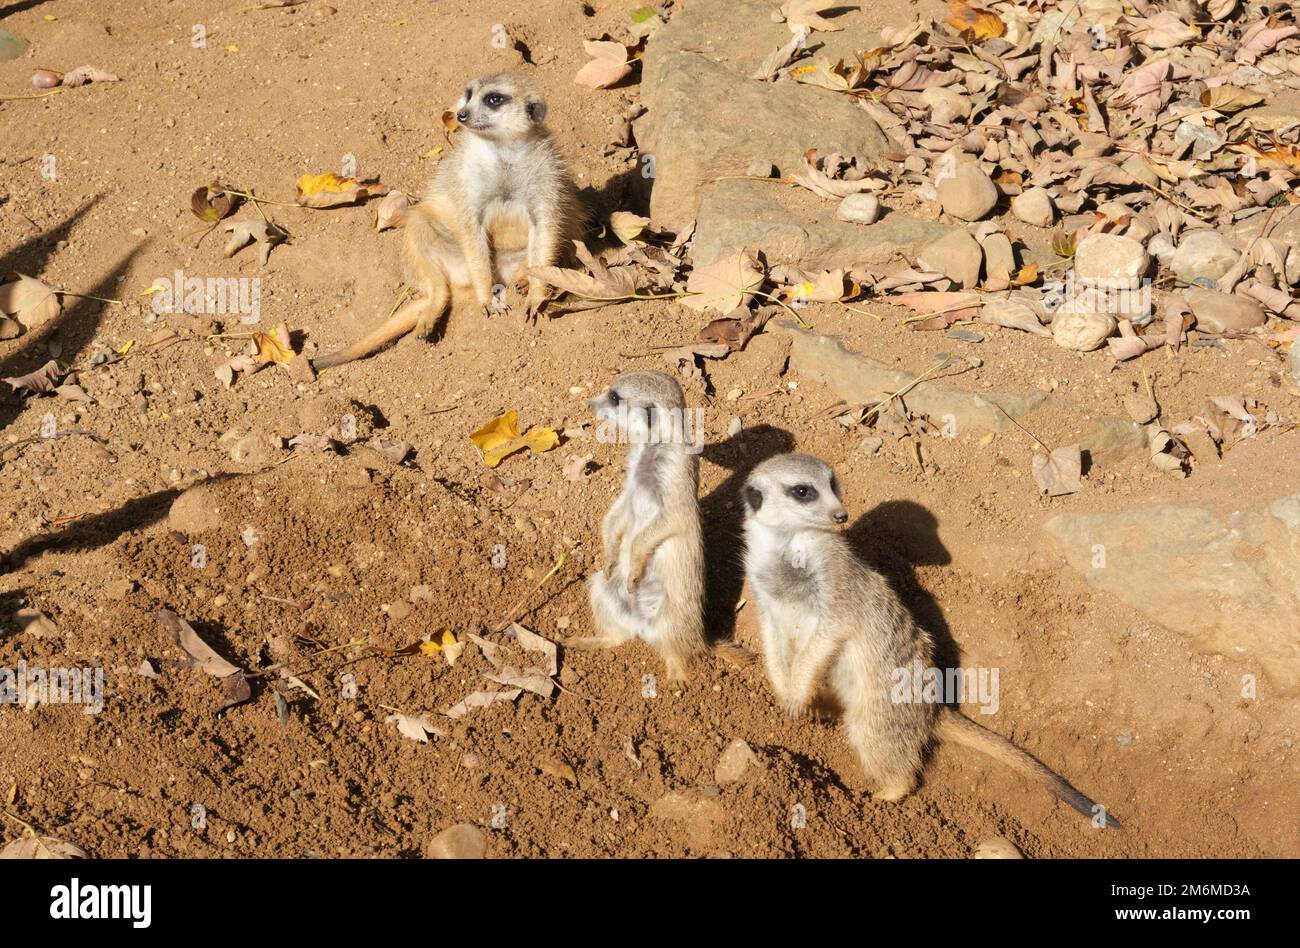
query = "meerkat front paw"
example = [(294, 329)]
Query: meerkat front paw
[(424, 325), (795, 710), (496, 306), (537, 297)]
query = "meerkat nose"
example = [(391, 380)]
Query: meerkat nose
[(840, 517), (462, 116)]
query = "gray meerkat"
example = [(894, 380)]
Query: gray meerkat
[(828, 620), (652, 583), (501, 201)]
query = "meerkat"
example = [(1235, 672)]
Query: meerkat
[(830, 622), (501, 201), (652, 583)]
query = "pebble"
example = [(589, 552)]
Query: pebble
[(1034, 206), (999, 258), (1294, 360), (734, 427), (859, 208), (999, 847), (871, 445), (1013, 315), (969, 194), (397, 611), (1109, 260), (957, 256), (965, 335), (462, 841), (736, 762), (1141, 407), (1205, 254), (1082, 332), (761, 169), (1161, 246), (1224, 312)]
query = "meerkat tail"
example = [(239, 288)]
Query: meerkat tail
[(389, 331), (962, 730)]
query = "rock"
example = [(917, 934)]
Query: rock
[(195, 511), (863, 380), (1294, 361), (1113, 438), (398, 611), (698, 810), (999, 847), (859, 208), (761, 168), (462, 841), (1226, 579), (1110, 261), (758, 216), (1034, 206), (871, 445), (1161, 246), (558, 768), (1224, 312), (957, 256), (1203, 253), (701, 106), (1141, 407), (1082, 332), (999, 259), (969, 193), (736, 762)]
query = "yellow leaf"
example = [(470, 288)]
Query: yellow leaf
[(431, 152), (329, 190), (232, 48), (274, 346), (156, 288), (126, 348), (500, 438), (980, 23)]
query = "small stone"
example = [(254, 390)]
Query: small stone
[(957, 256), (398, 611), (968, 194), (860, 208), (1161, 246), (558, 768), (734, 427), (761, 169), (1082, 332), (736, 762), (871, 445), (1111, 261), (1224, 312), (1141, 407), (1203, 254), (463, 841), (1294, 360), (1125, 739), (1034, 206), (421, 593), (734, 394), (999, 847), (999, 259)]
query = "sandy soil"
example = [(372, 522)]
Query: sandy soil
[(1125, 708)]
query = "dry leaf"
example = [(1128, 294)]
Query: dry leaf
[(416, 729), (480, 699), (979, 23), (84, 74), (40, 382), (41, 847), (605, 284), (391, 210), (723, 285), (802, 15), (244, 232), (1058, 473), (330, 190), (183, 634), (627, 226), (500, 438), (273, 346), (609, 64), (212, 202), (28, 300)]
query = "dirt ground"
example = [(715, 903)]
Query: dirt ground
[(1125, 708)]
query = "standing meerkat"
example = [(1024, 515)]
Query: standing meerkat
[(829, 620), (652, 584), (502, 200)]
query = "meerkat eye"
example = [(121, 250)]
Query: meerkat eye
[(494, 100), (614, 397), (804, 493)]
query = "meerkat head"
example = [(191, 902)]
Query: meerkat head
[(501, 106), (642, 405), (794, 492)]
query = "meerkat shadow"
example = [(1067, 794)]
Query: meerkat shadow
[(723, 516), (896, 537)]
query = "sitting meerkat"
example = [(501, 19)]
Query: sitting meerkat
[(828, 620), (652, 584), (502, 200)]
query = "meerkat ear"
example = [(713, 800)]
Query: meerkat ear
[(535, 109), (753, 497)]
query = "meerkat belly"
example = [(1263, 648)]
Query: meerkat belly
[(508, 226)]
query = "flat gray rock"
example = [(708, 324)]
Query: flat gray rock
[(1231, 580), (800, 229)]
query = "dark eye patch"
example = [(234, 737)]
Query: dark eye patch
[(803, 493), (835, 486), (494, 100), (614, 397)]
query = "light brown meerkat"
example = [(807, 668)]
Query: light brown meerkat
[(501, 201), (830, 621), (652, 583)]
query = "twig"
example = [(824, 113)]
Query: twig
[(513, 613), (928, 373), (1040, 441)]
